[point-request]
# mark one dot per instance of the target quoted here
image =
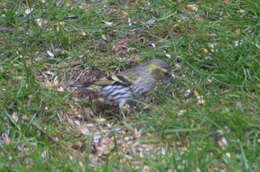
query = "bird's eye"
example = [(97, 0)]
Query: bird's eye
[(167, 74)]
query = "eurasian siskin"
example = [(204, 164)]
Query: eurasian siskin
[(132, 83)]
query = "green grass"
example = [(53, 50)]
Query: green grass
[(214, 54)]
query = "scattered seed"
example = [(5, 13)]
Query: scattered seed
[(96, 137), (108, 23), (50, 53), (77, 122), (187, 93), (221, 139), (200, 99), (28, 11), (205, 50), (15, 116), (153, 45), (192, 7), (129, 22), (151, 21), (39, 22), (168, 56), (84, 130)]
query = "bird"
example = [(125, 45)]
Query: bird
[(132, 83)]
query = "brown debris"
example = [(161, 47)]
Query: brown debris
[(106, 137), (81, 76), (79, 145), (121, 46), (200, 99), (192, 7)]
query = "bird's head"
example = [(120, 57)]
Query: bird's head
[(160, 70)]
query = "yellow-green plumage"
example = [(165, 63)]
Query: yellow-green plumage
[(133, 82)]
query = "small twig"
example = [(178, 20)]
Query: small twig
[(55, 141), (43, 132)]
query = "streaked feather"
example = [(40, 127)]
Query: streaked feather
[(131, 83)]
